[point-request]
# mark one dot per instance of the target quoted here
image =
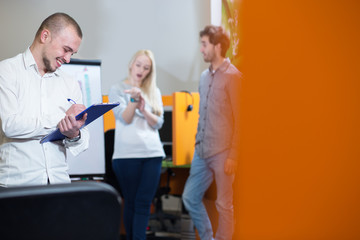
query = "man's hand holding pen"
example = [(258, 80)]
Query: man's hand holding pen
[(69, 126)]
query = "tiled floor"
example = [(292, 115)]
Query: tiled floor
[(169, 225), (159, 236), (163, 236)]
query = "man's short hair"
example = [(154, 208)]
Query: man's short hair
[(217, 35), (58, 21)]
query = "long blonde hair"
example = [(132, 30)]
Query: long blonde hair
[(148, 85)]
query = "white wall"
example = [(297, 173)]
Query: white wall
[(115, 29)]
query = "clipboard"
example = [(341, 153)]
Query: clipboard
[(93, 112)]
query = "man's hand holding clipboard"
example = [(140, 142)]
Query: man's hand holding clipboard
[(69, 126), (85, 117)]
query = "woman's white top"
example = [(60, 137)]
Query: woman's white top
[(136, 139)]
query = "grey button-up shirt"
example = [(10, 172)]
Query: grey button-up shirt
[(218, 127)]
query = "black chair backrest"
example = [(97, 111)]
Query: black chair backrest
[(81, 210)]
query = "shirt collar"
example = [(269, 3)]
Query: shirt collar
[(222, 67), (29, 62)]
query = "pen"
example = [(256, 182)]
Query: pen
[(71, 101)]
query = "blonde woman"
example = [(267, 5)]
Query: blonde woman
[(138, 151)]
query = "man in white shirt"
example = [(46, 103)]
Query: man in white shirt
[(34, 97)]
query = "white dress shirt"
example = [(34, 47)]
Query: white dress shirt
[(31, 106)]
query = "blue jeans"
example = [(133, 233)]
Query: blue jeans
[(138, 179), (202, 173)]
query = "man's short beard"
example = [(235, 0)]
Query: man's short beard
[(207, 60), (48, 65)]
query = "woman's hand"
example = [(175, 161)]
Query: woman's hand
[(134, 92), (141, 105), (129, 112)]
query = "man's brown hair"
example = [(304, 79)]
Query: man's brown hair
[(58, 21), (217, 35)]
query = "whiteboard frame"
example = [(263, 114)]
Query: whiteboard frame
[(91, 163)]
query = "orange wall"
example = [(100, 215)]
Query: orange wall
[(299, 175)]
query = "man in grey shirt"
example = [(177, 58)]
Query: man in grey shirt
[(217, 138)]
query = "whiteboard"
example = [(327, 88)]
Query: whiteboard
[(90, 163)]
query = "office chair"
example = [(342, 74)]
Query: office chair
[(110, 177), (81, 210)]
